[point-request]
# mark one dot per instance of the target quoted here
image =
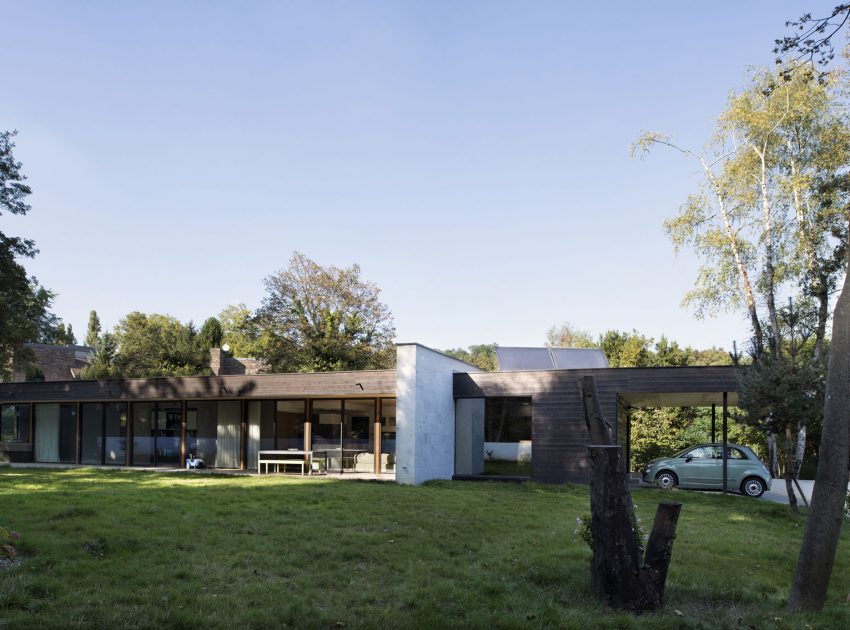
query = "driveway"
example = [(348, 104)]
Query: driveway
[(777, 492)]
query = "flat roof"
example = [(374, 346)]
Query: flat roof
[(353, 384)]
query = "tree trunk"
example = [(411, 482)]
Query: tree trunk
[(731, 237), (790, 465), (773, 459), (601, 432), (618, 576), (769, 270), (800, 452), (823, 527)]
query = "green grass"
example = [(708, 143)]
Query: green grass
[(127, 548)]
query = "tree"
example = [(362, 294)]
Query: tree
[(93, 332), (810, 43), (317, 318), (24, 304), (785, 393), (157, 345), (211, 334), (240, 331), (568, 336), (823, 526), (59, 335), (482, 355), (774, 214), (102, 360)]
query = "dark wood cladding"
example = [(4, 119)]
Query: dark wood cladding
[(315, 384), (559, 433)]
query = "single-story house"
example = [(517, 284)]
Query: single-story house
[(432, 417)]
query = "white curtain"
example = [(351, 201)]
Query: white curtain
[(253, 432), (47, 433), (227, 443)]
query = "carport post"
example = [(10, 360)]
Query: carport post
[(713, 421), (725, 440)]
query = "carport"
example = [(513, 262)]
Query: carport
[(559, 433), (720, 400)]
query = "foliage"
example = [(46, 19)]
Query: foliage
[(482, 355), (60, 335), (102, 359), (661, 432), (93, 331), (24, 304), (568, 336), (658, 432), (157, 345), (8, 543), (240, 331), (625, 349), (317, 318), (780, 392), (33, 374), (211, 334), (769, 214), (583, 530), (811, 43)]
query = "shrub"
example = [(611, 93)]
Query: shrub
[(8, 540)]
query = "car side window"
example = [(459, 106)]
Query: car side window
[(733, 453), (703, 452)]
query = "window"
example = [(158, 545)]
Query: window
[(703, 452), (15, 423), (493, 436)]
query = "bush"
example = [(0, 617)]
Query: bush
[(8, 540)]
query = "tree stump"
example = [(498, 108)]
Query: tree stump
[(621, 577)]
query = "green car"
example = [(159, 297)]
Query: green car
[(702, 467)]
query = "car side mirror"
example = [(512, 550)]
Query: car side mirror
[(689, 458)]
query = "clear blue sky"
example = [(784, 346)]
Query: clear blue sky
[(472, 157)]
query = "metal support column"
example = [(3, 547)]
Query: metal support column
[(713, 422), (725, 441)]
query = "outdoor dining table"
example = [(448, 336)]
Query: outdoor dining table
[(287, 456)]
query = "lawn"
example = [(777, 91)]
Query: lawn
[(140, 549)]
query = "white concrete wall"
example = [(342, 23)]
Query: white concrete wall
[(425, 413)]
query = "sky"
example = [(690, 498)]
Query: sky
[(471, 157)]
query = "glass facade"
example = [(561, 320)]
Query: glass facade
[(345, 435), (493, 437), (103, 433), (15, 423), (56, 433), (91, 433), (115, 432), (213, 433), (358, 435), (290, 418), (157, 430), (388, 435), (326, 433)]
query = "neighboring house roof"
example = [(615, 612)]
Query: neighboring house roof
[(512, 359)]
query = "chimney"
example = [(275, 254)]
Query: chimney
[(216, 359)]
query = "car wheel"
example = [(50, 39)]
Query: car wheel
[(666, 480), (753, 487)]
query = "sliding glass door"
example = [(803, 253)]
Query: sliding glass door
[(343, 434), (103, 433), (156, 434)]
